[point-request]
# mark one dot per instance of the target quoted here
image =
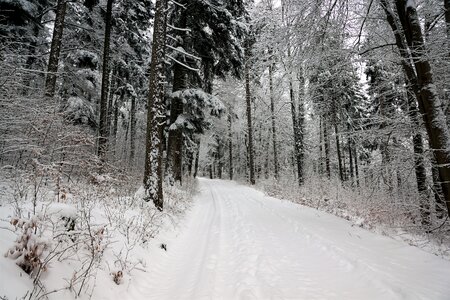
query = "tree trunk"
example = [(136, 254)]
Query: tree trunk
[(419, 166), (112, 86), (197, 156), (327, 148), (153, 176), (175, 138), (219, 159), (301, 129), (179, 83), (437, 190), (116, 119), (429, 103), (296, 129), (230, 146), (103, 124), (249, 113), (321, 168), (355, 155), (338, 150), (350, 158), (53, 61), (28, 79), (447, 21), (132, 132), (274, 133)]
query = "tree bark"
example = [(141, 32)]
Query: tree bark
[(296, 129), (422, 86), (197, 156), (132, 132), (437, 190), (429, 103), (327, 148), (230, 146), (249, 113), (219, 158), (274, 132), (103, 124), (116, 119), (447, 21), (301, 129), (175, 138), (28, 79), (350, 158), (179, 83), (53, 61), (153, 176), (338, 150), (419, 166), (321, 168), (355, 155)]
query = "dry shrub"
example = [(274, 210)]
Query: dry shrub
[(29, 247)]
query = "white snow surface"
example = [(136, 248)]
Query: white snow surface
[(238, 243)]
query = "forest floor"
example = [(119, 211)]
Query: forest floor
[(233, 243), (240, 244)]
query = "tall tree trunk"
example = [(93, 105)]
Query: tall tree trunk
[(219, 158), (447, 21), (103, 124), (190, 160), (321, 160), (230, 146), (301, 128), (429, 103), (437, 190), (110, 116), (153, 176), (297, 132), (248, 100), (274, 132), (419, 166), (175, 138), (179, 83), (350, 158), (338, 150), (355, 156), (32, 53), (384, 145), (446, 101), (326, 138), (197, 156), (53, 61), (116, 119), (132, 132)]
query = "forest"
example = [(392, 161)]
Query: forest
[(118, 115)]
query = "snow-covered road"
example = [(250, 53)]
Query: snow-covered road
[(240, 244)]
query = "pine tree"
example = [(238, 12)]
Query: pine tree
[(53, 61), (103, 125), (153, 175)]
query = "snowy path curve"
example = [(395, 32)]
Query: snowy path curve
[(240, 244)]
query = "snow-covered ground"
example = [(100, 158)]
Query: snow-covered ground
[(237, 243), (240, 244)]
